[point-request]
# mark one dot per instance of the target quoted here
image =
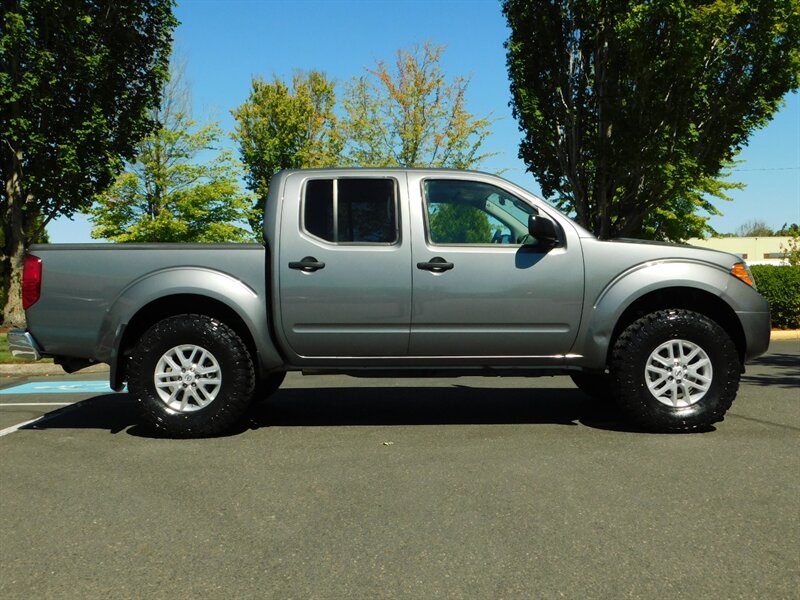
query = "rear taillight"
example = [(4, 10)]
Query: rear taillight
[(31, 281)]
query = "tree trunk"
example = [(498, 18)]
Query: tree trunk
[(14, 230)]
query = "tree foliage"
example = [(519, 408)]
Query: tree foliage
[(407, 115), (285, 127), (632, 109), (792, 230), (791, 250), (169, 193), (411, 116), (77, 78)]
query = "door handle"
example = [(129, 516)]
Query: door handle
[(436, 265), (308, 264)]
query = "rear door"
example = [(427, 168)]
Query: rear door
[(478, 291), (345, 266)]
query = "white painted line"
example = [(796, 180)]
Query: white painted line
[(44, 417), (17, 427), (2, 404)]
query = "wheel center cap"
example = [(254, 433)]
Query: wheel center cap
[(188, 377), (678, 372)]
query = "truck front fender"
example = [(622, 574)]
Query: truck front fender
[(673, 281)]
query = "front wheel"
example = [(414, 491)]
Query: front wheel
[(192, 376), (675, 370)]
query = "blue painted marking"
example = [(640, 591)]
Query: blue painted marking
[(60, 387)]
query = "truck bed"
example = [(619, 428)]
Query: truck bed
[(83, 284)]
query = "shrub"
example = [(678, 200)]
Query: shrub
[(781, 287)]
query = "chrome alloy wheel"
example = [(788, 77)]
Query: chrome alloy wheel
[(678, 373), (187, 378)]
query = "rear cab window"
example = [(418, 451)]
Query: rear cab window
[(351, 210)]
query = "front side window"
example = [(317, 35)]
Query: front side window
[(471, 212), (351, 211)]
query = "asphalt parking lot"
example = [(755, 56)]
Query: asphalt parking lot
[(443, 488)]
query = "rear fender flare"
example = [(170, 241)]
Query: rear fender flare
[(240, 298)]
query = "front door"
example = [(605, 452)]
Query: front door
[(481, 288)]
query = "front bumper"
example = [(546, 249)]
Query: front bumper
[(22, 345), (756, 326)]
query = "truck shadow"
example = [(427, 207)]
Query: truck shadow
[(784, 371), (456, 405), (367, 406)]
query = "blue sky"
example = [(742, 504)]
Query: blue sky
[(228, 42)]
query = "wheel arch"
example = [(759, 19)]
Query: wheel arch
[(687, 298), (170, 306), (186, 290), (699, 287), (176, 292)]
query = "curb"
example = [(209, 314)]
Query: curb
[(35, 368), (784, 334), (27, 369)]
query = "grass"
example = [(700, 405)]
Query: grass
[(5, 353)]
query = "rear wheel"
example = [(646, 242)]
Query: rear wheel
[(675, 370), (192, 376)]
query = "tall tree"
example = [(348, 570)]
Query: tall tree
[(77, 78), (285, 127), (632, 109), (411, 115), (169, 193)]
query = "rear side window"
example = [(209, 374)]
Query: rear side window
[(351, 211)]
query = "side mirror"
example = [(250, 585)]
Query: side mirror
[(543, 230)]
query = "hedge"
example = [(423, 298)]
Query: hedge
[(781, 287)]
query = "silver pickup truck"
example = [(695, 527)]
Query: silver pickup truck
[(399, 273)]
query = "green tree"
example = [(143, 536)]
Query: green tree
[(632, 109), (791, 250), (77, 78), (411, 116), (285, 127), (791, 230), (168, 193)]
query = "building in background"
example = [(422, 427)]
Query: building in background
[(755, 250)]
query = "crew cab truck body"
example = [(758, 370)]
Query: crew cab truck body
[(399, 272)]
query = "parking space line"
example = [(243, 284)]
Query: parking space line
[(2, 404), (44, 417), (18, 426)]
